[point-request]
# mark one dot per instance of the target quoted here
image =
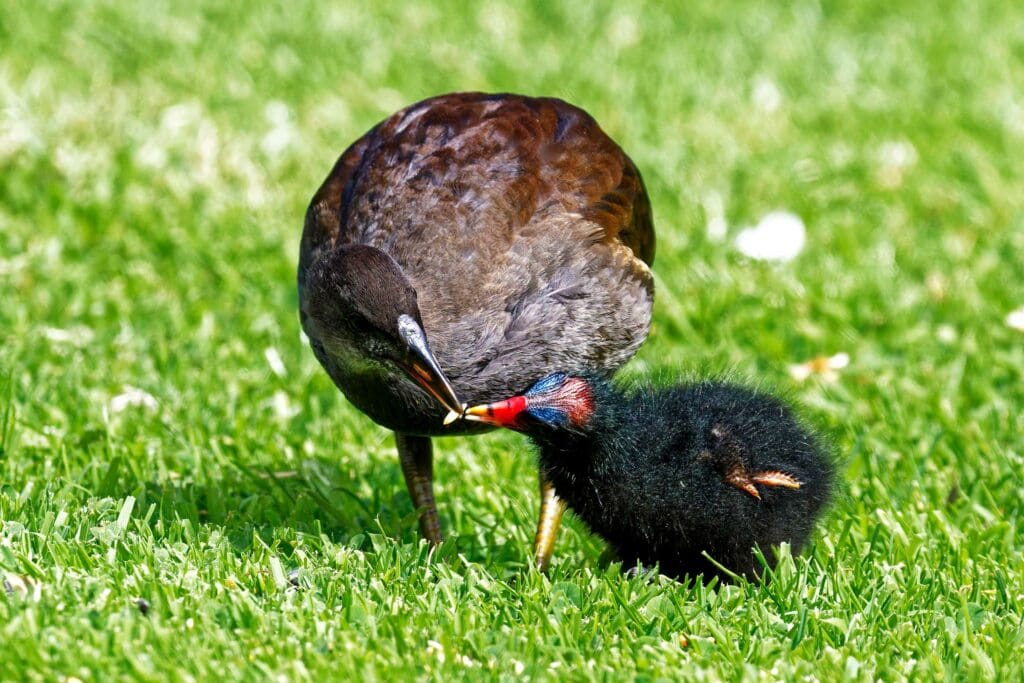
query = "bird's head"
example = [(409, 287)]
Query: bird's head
[(556, 404), (360, 307)]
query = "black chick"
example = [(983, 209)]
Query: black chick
[(666, 474)]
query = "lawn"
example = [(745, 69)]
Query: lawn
[(184, 495)]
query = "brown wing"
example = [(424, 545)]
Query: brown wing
[(625, 212), (513, 156), (608, 187)]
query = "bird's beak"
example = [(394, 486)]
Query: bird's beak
[(422, 367), (500, 414)]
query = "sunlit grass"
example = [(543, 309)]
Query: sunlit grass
[(167, 436)]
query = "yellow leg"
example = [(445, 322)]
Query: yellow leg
[(551, 509), (417, 458)]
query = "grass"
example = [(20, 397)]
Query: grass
[(166, 436)]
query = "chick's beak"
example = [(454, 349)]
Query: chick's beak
[(422, 367), (500, 414)]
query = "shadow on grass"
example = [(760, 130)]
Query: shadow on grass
[(280, 507), (311, 498)]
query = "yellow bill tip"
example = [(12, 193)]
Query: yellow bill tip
[(474, 413)]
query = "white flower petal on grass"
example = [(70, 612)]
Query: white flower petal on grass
[(839, 361), (779, 236), (17, 130), (826, 366), (33, 439), (178, 118), (152, 154), (465, 661), (437, 649), (282, 134), (800, 371), (766, 95), (717, 227), (894, 159), (897, 154), (623, 31), (132, 397), (275, 362), (714, 209), (79, 335), (1015, 319), (283, 406)]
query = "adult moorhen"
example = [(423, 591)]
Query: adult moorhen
[(665, 475), (464, 246)]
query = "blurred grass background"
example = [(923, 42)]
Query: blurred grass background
[(166, 436)]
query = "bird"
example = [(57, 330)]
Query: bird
[(464, 245), (673, 476)]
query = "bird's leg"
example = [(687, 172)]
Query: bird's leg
[(416, 455), (551, 509)]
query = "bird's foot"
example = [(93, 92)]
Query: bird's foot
[(739, 477), (430, 526)]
